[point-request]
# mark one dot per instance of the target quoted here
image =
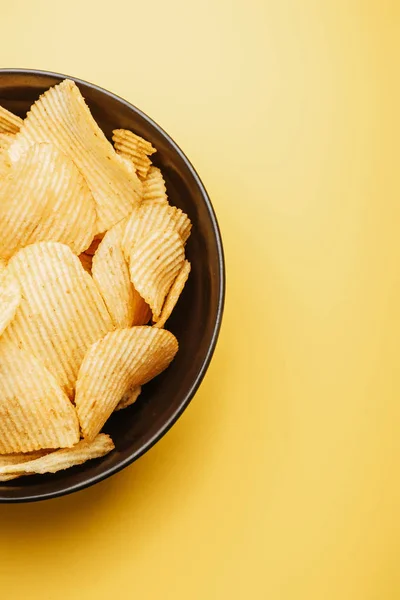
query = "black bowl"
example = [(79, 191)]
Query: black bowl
[(196, 320)]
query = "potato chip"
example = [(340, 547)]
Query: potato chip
[(129, 398), (173, 294), (6, 460), (154, 189), (10, 296), (135, 148), (61, 117), (154, 263), (154, 217), (6, 139), (123, 359), (86, 261), (61, 312), (62, 459), (45, 198), (34, 411), (9, 123)]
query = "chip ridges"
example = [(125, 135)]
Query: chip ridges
[(10, 296), (123, 359), (9, 123), (61, 116), (61, 312), (154, 263), (34, 411), (174, 294), (60, 460), (134, 147), (154, 189)]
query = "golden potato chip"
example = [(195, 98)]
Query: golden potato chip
[(154, 189), (10, 296), (86, 261), (6, 139), (61, 117), (173, 294), (154, 217), (110, 272), (61, 312), (9, 123), (45, 199), (123, 359), (154, 263), (135, 148), (6, 460), (34, 411), (129, 398), (62, 459)]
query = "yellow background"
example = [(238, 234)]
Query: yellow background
[(281, 481)]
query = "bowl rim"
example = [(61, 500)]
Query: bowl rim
[(219, 313)]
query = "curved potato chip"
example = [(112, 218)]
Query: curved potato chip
[(34, 411), (154, 189), (135, 148), (45, 198), (154, 217), (173, 294), (129, 398), (123, 359), (6, 460), (61, 117), (10, 296), (110, 272), (61, 459), (9, 123), (154, 263), (61, 312)]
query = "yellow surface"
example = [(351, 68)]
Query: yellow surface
[(281, 481)]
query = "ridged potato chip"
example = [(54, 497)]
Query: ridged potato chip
[(61, 459), (61, 117), (61, 312), (154, 189), (45, 198), (110, 272), (154, 263), (135, 148), (173, 294), (154, 217), (123, 359), (9, 123), (129, 398), (34, 412), (10, 296)]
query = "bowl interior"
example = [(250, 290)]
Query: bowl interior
[(195, 321)]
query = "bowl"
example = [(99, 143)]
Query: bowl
[(196, 319)]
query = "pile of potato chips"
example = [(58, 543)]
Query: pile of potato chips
[(92, 263)]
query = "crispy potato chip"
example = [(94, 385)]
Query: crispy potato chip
[(34, 411), (123, 359), (61, 117), (154, 217), (10, 296), (45, 198), (135, 148), (61, 312), (86, 261), (154, 263), (62, 459), (6, 139), (110, 272), (9, 123), (154, 189), (6, 460), (173, 294), (129, 398)]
